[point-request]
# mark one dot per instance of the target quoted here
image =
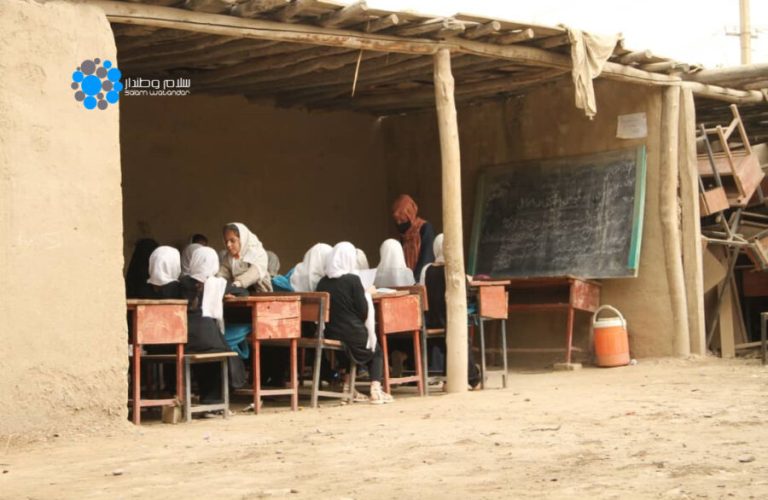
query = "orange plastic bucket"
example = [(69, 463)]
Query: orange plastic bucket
[(610, 338)]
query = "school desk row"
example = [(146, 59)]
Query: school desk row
[(276, 320)]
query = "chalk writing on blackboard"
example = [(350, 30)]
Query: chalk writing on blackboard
[(577, 216)]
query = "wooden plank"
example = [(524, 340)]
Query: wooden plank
[(516, 37), (277, 328), (585, 296), (253, 8), (400, 314), (278, 310), (492, 302), (211, 6), (382, 23), (350, 14), (482, 30), (726, 324), (160, 324)]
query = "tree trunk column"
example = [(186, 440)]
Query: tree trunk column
[(453, 243)]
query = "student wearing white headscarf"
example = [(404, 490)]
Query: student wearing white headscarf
[(205, 321), (309, 271), (246, 262), (433, 278), (186, 257), (348, 313), (362, 260), (392, 270), (164, 272)]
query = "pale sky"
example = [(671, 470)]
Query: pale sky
[(692, 31)]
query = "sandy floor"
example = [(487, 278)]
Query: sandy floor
[(661, 429)]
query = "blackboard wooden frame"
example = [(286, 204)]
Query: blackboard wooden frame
[(633, 257)]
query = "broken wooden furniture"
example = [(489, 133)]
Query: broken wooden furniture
[(731, 161), (274, 320), (492, 305), (397, 314), (567, 293), (156, 322)]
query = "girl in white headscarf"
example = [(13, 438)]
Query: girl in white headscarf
[(245, 264), (308, 272), (362, 260), (164, 272), (392, 270), (186, 257), (437, 247), (350, 308), (205, 321)]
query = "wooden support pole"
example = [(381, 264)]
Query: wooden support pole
[(453, 243), (691, 224), (745, 32), (670, 227)]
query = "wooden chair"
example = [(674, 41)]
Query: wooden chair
[(315, 308), (156, 322), (191, 359)]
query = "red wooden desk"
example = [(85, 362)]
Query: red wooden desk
[(156, 322), (400, 313), (492, 304), (567, 293), (273, 318)]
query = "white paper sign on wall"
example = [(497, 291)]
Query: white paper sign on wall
[(632, 126)]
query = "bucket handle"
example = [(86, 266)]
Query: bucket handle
[(613, 310)]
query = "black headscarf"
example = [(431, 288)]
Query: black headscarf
[(138, 270)]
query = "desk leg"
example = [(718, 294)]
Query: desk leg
[(256, 367), (294, 376), (187, 391), (417, 363), (424, 359), (136, 376), (482, 352), (569, 347), (763, 336), (385, 351), (504, 351), (225, 385), (180, 372)]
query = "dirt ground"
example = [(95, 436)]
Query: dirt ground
[(660, 429)]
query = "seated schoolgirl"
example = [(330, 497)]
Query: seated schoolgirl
[(433, 278), (164, 272), (362, 260), (348, 314), (136, 275), (245, 264), (392, 270), (309, 271), (186, 257), (205, 322)]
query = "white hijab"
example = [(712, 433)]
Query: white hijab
[(203, 267), (186, 257), (164, 266), (251, 249), (341, 261), (437, 248), (310, 270), (392, 270), (362, 260)]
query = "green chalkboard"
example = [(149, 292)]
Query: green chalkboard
[(580, 216)]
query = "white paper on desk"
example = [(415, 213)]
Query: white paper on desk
[(367, 276), (632, 126), (385, 290)]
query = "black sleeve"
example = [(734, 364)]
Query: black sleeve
[(426, 252), (357, 296)]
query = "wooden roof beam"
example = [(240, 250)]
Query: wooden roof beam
[(440, 27), (288, 13), (482, 30), (640, 57), (516, 37), (210, 6), (382, 23), (254, 8), (553, 41), (348, 15)]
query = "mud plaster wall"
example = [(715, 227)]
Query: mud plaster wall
[(192, 164), (546, 124), (63, 355)]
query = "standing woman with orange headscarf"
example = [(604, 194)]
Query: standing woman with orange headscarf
[(416, 234)]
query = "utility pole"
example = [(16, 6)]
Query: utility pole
[(745, 32)]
